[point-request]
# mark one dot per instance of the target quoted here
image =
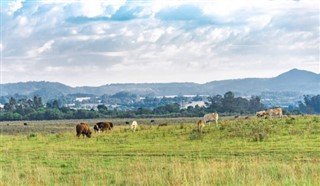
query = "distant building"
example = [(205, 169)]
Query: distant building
[(80, 99), (193, 104)]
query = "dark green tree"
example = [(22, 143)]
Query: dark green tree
[(214, 104), (11, 106), (228, 102)]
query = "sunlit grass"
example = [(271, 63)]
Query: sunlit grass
[(238, 152)]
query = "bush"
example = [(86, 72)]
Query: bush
[(259, 133), (33, 135), (290, 121), (195, 135)]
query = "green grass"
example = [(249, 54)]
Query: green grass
[(237, 152)]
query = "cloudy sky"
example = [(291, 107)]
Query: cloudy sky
[(98, 42)]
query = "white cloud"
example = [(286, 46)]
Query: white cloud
[(94, 8), (14, 6), (58, 37), (44, 48)]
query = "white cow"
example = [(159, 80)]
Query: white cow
[(134, 126), (261, 114), (275, 111), (211, 117)]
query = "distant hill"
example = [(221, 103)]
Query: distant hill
[(299, 81)]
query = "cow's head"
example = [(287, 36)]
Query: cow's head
[(88, 134)]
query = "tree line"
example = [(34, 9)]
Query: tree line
[(228, 104)]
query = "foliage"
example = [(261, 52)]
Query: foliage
[(229, 104), (311, 104)]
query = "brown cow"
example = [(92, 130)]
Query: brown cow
[(200, 124), (104, 126), (83, 129)]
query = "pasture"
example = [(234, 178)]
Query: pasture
[(237, 152)]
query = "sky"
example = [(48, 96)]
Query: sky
[(98, 42)]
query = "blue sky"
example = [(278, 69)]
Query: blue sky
[(98, 42)]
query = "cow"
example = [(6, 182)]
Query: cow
[(274, 111), (261, 114), (134, 126), (127, 122), (211, 117), (25, 124), (152, 121), (96, 128), (83, 129), (102, 126), (200, 124)]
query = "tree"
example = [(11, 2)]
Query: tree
[(53, 104), (102, 108), (53, 114), (166, 109), (255, 104), (214, 104), (228, 102), (241, 105), (37, 102), (11, 106), (311, 104)]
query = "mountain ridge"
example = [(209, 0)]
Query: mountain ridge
[(295, 80)]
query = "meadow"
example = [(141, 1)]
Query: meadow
[(237, 152)]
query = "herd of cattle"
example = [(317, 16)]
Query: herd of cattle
[(84, 129), (270, 113)]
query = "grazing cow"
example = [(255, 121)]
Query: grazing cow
[(96, 128), (25, 124), (134, 126), (274, 111), (102, 126), (127, 122), (83, 129), (152, 121), (261, 114), (247, 117), (200, 124), (237, 116), (162, 125), (211, 117)]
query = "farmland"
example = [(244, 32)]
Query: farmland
[(237, 152)]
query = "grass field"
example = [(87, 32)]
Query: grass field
[(237, 152)]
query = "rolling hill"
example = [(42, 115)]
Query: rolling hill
[(298, 81)]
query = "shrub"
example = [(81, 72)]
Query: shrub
[(195, 135), (259, 133), (32, 135), (290, 121), (316, 119)]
